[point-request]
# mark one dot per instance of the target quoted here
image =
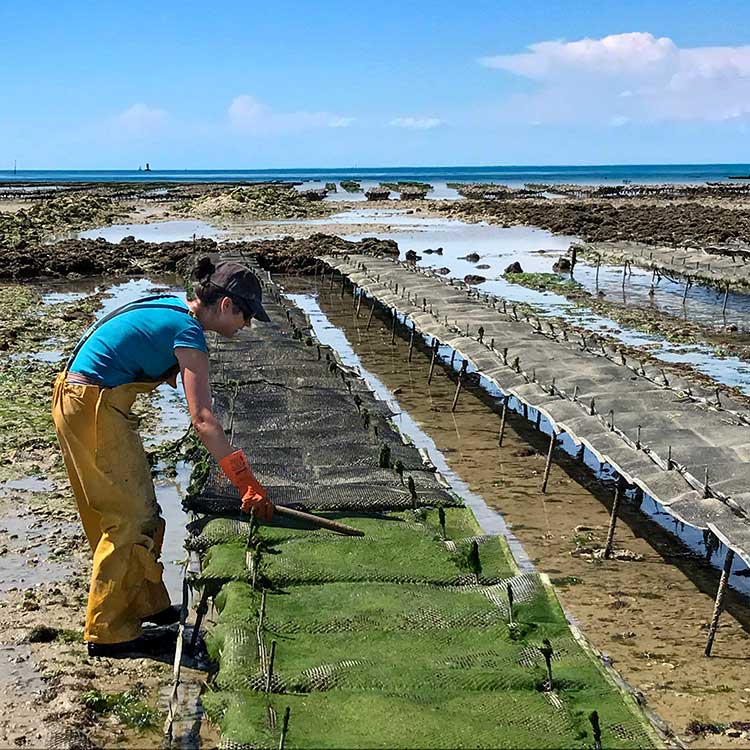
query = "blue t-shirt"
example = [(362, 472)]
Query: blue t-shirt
[(138, 344)]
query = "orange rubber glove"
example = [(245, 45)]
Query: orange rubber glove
[(254, 495), (252, 502)]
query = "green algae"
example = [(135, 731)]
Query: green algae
[(417, 555), (380, 664), (546, 282), (129, 707), (351, 186), (27, 437), (346, 719), (45, 217)]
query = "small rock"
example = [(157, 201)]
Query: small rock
[(561, 265), (412, 257), (443, 271), (471, 257), (41, 634), (474, 279), (514, 267)]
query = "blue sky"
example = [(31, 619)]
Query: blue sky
[(337, 84)]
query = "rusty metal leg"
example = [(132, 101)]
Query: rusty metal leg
[(612, 523), (719, 604), (502, 422), (199, 615), (461, 376), (548, 465), (432, 360)]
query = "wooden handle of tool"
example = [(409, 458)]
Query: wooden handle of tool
[(326, 523)]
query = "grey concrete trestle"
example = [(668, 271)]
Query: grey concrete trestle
[(683, 444), (720, 266)]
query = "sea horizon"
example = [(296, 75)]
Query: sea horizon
[(514, 175)]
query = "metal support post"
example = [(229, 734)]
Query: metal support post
[(548, 465), (612, 522), (461, 376), (502, 422), (719, 604), (432, 360)]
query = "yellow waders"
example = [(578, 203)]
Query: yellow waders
[(111, 480)]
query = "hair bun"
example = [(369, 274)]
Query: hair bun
[(203, 269)]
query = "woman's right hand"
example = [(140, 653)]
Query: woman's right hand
[(260, 505)]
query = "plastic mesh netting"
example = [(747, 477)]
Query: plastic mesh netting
[(368, 719), (682, 442)]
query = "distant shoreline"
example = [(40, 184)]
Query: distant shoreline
[(514, 176)]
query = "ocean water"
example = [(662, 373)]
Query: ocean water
[(514, 176)]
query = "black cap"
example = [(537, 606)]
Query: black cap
[(241, 285)]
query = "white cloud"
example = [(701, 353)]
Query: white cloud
[(248, 114), (630, 77), (416, 123), (341, 122), (140, 119)]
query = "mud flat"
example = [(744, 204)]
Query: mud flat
[(668, 223), (52, 693)]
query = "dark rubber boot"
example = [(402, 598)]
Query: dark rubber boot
[(145, 645), (168, 616)]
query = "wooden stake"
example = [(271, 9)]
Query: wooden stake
[(369, 317), (547, 652), (393, 328), (461, 376), (359, 304), (502, 422), (269, 674), (200, 614), (509, 590), (719, 604), (411, 341), (432, 360), (547, 466), (284, 728), (612, 523), (726, 299), (594, 719)]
